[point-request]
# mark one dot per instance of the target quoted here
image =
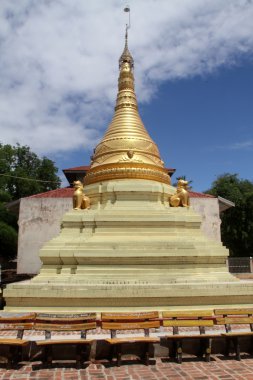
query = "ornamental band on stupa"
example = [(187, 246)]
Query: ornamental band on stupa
[(127, 248)]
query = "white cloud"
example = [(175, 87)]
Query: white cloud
[(236, 146), (243, 145), (58, 59)]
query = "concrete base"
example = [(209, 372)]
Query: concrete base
[(130, 250), (122, 298)]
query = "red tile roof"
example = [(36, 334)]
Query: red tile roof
[(78, 168), (194, 194), (67, 192)]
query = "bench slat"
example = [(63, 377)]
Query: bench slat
[(193, 336), (50, 342), (187, 314), (246, 311), (188, 322), (13, 342), (132, 340), (52, 318), (130, 325), (16, 326), (14, 317), (65, 327), (233, 320), (129, 316), (238, 333)]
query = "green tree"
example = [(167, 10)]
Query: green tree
[(23, 173), (8, 230), (237, 222), (8, 241)]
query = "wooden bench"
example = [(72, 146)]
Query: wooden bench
[(199, 319), (126, 322), (18, 323), (235, 317), (65, 323)]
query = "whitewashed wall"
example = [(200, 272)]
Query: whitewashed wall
[(208, 208), (39, 221)]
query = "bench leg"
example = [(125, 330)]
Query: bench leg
[(146, 353), (205, 349), (172, 352), (178, 350), (228, 346), (48, 356), (79, 354), (202, 348), (118, 352), (208, 343), (237, 348), (13, 356), (83, 352), (112, 353)]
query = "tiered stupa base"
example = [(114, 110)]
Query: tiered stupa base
[(130, 251)]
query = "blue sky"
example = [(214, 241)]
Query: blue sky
[(203, 126), (193, 72)]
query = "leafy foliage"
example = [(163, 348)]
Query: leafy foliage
[(8, 217), (8, 230), (237, 222), (21, 172), (8, 241)]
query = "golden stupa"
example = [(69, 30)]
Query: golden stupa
[(128, 249), (126, 150)]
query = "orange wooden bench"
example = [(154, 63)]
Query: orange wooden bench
[(235, 317), (50, 323), (18, 323), (199, 319), (126, 322)]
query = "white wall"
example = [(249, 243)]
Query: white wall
[(208, 208), (39, 221)]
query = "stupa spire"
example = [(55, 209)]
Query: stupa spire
[(126, 151), (126, 55)]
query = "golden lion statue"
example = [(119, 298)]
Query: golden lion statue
[(181, 197), (80, 200)]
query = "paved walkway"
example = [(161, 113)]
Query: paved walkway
[(191, 368)]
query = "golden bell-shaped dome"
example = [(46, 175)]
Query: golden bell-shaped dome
[(126, 150)]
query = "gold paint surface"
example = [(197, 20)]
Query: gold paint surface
[(126, 144), (126, 171), (181, 197)]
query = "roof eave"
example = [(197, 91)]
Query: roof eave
[(225, 204)]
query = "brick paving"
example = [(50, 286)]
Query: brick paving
[(191, 368)]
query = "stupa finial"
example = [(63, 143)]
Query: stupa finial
[(126, 55)]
